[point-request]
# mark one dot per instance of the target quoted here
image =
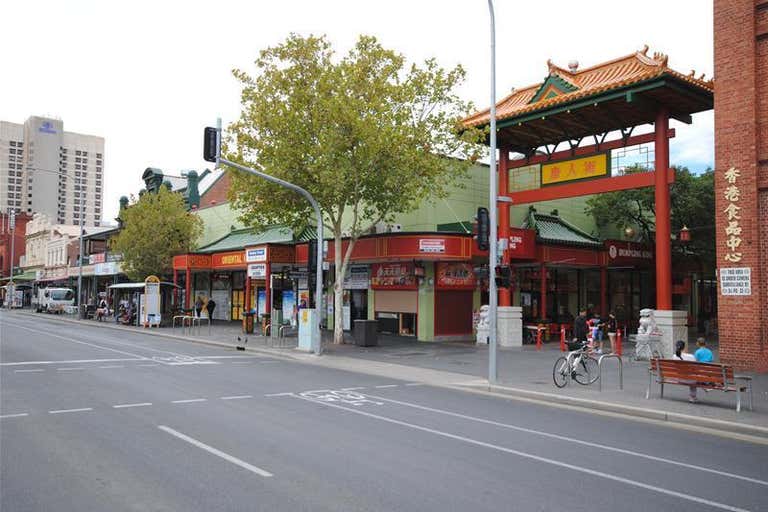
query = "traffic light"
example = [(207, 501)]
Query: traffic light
[(483, 229), (210, 144), (503, 276)]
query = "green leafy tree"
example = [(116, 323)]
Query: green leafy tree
[(155, 229), (692, 200), (366, 135)]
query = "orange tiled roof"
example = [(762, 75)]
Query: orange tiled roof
[(633, 68)]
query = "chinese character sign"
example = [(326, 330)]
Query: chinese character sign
[(576, 169), (732, 213)]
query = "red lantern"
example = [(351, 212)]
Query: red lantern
[(685, 234)]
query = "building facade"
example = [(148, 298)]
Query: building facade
[(44, 169)]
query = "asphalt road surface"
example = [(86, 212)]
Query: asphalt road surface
[(98, 419)]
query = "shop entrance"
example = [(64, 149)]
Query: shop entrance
[(453, 312)]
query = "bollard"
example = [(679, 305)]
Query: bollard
[(562, 339), (618, 342), (538, 337)]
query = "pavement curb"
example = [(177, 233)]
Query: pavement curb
[(718, 427)]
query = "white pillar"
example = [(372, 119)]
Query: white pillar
[(672, 325), (510, 326)]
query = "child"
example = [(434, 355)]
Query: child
[(703, 354)]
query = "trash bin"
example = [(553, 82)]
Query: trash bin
[(248, 322), (365, 333)]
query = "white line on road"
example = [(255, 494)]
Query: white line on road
[(386, 386), (123, 406), (112, 366), (72, 361), (352, 389), (191, 400), (415, 384), (47, 333), (573, 467), (278, 394), (61, 411), (576, 441), (236, 397), (218, 453), (269, 361), (242, 362), (29, 371), (69, 369), (18, 415)]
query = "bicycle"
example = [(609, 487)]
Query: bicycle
[(578, 365)]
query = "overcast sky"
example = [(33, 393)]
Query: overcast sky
[(147, 76)]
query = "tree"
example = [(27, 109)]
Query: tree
[(692, 200), (365, 136), (155, 228)]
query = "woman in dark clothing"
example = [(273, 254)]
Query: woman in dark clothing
[(612, 326)]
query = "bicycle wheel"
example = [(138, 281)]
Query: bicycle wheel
[(560, 372), (586, 371)]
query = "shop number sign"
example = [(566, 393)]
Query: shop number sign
[(736, 281), (432, 245)]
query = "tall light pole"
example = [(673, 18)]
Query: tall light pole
[(492, 260), (80, 258), (12, 228)]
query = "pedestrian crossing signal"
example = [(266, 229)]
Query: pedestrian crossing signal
[(210, 144)]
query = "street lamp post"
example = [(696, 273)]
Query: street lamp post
[(80, 258), (12, 228), (492, 293)]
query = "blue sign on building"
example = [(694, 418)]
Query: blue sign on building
[(47, 127)]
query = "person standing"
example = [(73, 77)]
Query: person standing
[(198, 306), (209, 307), (612, 328), (580, 326)]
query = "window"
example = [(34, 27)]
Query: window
[(78, 160), (78, 152), (77, 166), (13, 143), (85, 153), (98, 155)]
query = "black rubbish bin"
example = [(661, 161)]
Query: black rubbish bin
[(248, 322), (365, 333)]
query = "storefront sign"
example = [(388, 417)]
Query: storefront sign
[(736, 281), (576, 169), (432, 245), (228, 259), (257, 270), (733, 216), (393, 276), (357, 277), (256, 254), (628, 253), (107, 269), (522, 243), (184, 261), (97, 258), (455, 276), (281, 254)]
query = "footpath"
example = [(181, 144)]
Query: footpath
[(522, 375)]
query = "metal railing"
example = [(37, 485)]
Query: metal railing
[(600, 370)]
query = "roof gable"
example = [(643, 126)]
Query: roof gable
[(554, 85)]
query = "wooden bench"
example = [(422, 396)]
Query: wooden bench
[(708, 376)]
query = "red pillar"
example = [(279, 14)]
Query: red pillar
[(268, 291), (247, 292), (543, 293), (175, 293), (603, 292), (505, 294), (187, 288), (663, 223)]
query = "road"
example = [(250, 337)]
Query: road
[(98, 419)]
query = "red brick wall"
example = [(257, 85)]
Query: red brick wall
[(5, 242), (741, 81), (217, 193)]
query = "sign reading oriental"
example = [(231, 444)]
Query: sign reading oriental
[(577, 169)]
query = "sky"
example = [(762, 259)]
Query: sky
[(148, 76)]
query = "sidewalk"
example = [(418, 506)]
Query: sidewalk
[(525, 374)]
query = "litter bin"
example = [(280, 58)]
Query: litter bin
[(248, 322), (365, 333)]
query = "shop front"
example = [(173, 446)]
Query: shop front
[(396, 303)]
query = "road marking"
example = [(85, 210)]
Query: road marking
[(270, 361), (415, 384), (573, 467), (577, 441), (218, 453), (147, 365), (352, 389), (123, 406), (386, 386), (28, 371), (69, 369), (236, 397), (347, 397), (112, 366), (191, 400), (72, 361), (229, 357), (60, 411), (242, 362), (18, 415), (47, 333), (279, 394)]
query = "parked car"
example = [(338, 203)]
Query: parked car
[(54, 300)]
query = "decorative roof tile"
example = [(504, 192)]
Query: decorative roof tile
[(243, 238), (553, 229), (614, 74)]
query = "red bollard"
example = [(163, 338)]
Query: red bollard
[(538, 337), (618, 342), (562, 339)]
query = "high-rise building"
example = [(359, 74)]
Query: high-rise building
[(44, 169)]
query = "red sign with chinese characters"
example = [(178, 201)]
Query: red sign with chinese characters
[(198, 261), (522, 244), (454, 276), (393, 276)]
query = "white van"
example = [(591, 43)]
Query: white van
[(54, 300)]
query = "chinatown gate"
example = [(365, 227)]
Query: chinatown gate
[(561, 128)]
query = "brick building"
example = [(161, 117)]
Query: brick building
[(741, 181), (5, 242)]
